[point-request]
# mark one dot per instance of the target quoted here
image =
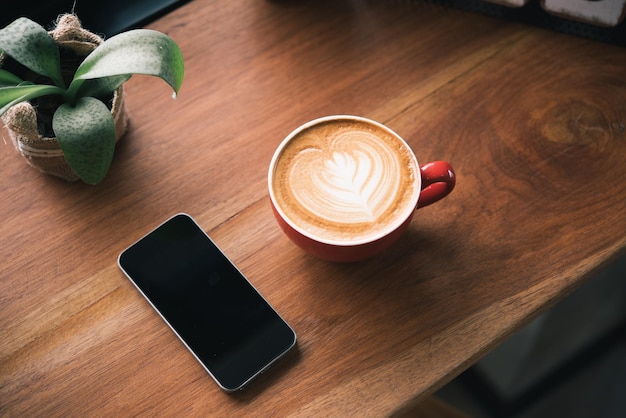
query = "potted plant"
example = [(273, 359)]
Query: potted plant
[(61, 92)]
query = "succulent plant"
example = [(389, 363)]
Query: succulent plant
[(82, 122)]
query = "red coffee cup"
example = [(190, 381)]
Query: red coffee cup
[(342, 134)]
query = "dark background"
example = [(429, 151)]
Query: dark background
[(109, 17)]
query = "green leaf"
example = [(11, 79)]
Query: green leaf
[(86, 133), (102, 87), (8, 79), (29, 44), (10, 96), (140, 51)]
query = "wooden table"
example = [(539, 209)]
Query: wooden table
[(533, 121)]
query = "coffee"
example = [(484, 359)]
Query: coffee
[(345, 180)]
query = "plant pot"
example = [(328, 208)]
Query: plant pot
[(23, 121)]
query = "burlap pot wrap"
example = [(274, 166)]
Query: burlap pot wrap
[(44, 153)]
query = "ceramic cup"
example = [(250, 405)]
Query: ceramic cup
[(344, 188)]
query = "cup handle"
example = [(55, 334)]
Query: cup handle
[(438, 180)]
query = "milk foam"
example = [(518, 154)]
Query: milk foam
[(348, 185), (345, 181)]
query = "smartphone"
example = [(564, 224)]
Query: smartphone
[(218, 315)]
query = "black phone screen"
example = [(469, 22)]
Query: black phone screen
[(229, 327)]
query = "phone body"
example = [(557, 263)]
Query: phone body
[(215, 311)]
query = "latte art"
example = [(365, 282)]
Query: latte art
[(352, 180), (345, 180)]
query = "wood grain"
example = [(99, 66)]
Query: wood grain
[(533, 122)]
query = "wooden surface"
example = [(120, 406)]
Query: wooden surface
[(532, 120)]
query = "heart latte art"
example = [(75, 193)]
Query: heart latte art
[(345, 180)]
